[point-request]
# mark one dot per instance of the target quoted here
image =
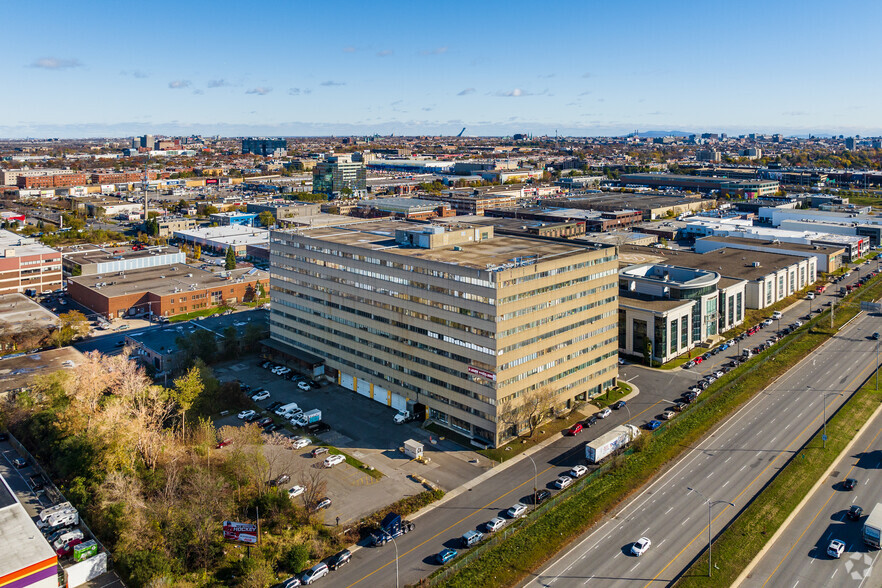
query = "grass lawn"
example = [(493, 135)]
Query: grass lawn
[(677, 362), (614, 395), (544, 431), (197, 313), (356, 463), (507, 561)]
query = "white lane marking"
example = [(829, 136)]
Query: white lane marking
[(686, 520), (726, 484), (635, 566), (669, 510), (742, 467)]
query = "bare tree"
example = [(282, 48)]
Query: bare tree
[(315, 486), (535, 406)]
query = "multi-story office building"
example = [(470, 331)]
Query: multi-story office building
[(452, 319), (337, 173), (26, 264), (265, 147)]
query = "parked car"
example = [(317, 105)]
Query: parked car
[(19, 463), (303, 386), (577, 471), (292, 582), (271, 428), (260, 395), (575, 429), (641, 546), (516, 510), (340, 559), (562, 482), (272, 407), (619, 404), (281, 479), (318, 451), (668, 415), (252, 417), (245, 414), (541, 496), (445, 555), (323, 503), (301, 442), (652, 425), (319, 570), (333, 460), (689, 364), (589, 421), (295, 491), (494, 524), (68, 547), (602, 414), (264, 421)]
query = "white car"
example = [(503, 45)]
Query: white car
[(245, 414), (602, 414), (562, 482), (319, 570), (494, 524), (835, 549), (295, 491), (516, 510), (304, 386), (577, 472), (299, 443), (768, 322), (260, 395), (333, 460), (641, 546), (668, 415)]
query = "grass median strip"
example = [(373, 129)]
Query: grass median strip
[(506, 562)]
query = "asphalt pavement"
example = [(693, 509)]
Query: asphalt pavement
[(799, 555), (732, 464)]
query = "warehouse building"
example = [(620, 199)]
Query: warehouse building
[(465, 323), (219, 239), (89, 260), (26, 558)]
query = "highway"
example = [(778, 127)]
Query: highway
[(799, 556), (731, 465)]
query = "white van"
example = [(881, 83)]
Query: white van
[(319, 570), (67, 538), (286, 408)]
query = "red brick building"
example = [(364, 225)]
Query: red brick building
[(26, 264), (166, 291), (121, 177), (52, 180)]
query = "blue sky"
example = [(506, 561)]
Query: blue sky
[(320, 68)]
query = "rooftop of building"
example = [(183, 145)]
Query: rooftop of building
[(623, 200), (402, 203), (731, 263), (100, 255), (18, 310), (783, 246), (683, 277), (17, 371), (165, 280), (651, 303), (21, 246), (164, 339), (498, 251), (228, 234), (21, 543), (685, 178)]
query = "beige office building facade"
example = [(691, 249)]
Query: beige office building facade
[(467, 324)]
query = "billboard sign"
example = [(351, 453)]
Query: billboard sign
[(482, 373), (241, 532)]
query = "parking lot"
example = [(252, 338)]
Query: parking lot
[(364, 429)]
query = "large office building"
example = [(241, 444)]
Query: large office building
[(265, 147), (338, 173), (467, 324), (26, 264)]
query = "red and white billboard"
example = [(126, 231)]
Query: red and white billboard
[(483, 373), (241, 532)]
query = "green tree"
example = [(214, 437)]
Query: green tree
[(187, 389), (266, 218), (208, 210), (230, 263), (72, 325)]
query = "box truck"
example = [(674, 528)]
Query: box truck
[(309, 417), (872, 530), (597, 450)]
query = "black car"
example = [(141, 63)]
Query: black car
[(618, 405), (280, 480), (706, 356), (849, 484), (271, 427), (340, 559), (679, 406), (317, 428), (589, 421), (264, 421), (689, 364), (274, 406), (855, 512), (251, 418), (541, 496)]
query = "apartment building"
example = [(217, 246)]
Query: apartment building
[(468, 324), (26, 264)]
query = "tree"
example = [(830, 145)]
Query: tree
[(266, 218), (536, 405), (314, 484), (72, 325), (187, 389), (209, 210), (197, 252), (346, 191), (230, 263)]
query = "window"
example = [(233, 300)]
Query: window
[(674, 337), (639, 336), (660, 337), (738, 314), (684, 331)]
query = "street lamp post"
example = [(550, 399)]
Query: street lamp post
[(710, 505), (535, 475), (824, 396), (396, 559), (877, 365)]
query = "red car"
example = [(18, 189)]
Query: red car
[(66, 550), (575, 429), (698, 359), (223, 443)]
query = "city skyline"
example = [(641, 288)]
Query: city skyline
[(118, 70)]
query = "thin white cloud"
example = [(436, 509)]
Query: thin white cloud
[(332, 83), (435, 51), (197, 91), (349, 49), (260, 91), (513, 93), (137, 73), (55, 63), (218, 83), (466, 92), (179, 84), (385, 53)]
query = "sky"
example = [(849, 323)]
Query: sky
[(581, 68)]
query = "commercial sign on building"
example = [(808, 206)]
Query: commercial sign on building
[(483, 373), (241, 532)]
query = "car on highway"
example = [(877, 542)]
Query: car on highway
[(260, 395), (619, 404), (494, 524), (562, 482), (641, 546), (835, 548), (602, 414), (300, 443), (652, 425), (333, 460), (245, 414), (574, 430), (445, 555), (855, 512), (577, 471), (516, 510), (849, 484), (340, 559), (295, 491)]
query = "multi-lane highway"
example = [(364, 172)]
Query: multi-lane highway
[(731, 465), (798, 558)]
